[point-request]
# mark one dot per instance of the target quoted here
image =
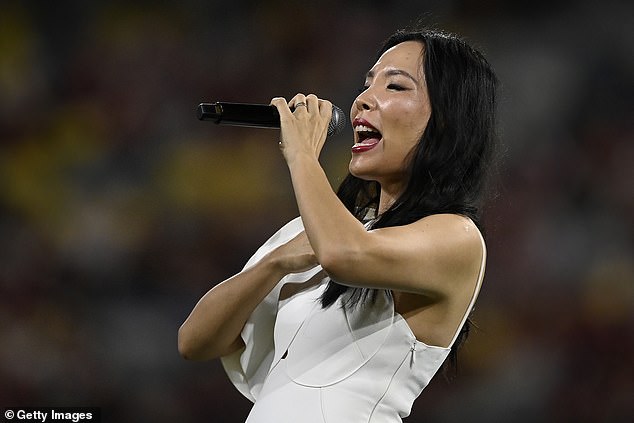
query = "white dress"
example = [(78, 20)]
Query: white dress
[(304, 363)]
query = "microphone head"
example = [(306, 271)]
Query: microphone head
[(337, 122)]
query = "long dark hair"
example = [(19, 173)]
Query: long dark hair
[(448, 167)]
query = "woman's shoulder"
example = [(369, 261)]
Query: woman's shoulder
[(455, 239), (453, 227)]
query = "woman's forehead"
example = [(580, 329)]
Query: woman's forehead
[(406, 56)]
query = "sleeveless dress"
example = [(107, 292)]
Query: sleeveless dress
[(304, 363)]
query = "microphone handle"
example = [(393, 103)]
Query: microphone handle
[(240, 114), (257, 115)]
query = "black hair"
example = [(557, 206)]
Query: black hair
[(448, 167)]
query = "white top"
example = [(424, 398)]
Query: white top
[(304, 363)]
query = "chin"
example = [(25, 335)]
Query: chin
[(361, 172), (365, 164)]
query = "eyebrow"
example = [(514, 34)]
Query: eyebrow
[(393, 72)]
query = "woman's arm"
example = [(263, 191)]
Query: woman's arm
[(432, 256), (213, 327), (425, 257)]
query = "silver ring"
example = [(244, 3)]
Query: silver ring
[(300, 104)]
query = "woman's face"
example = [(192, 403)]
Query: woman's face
[(390, 115)]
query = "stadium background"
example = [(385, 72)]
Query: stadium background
[(119, 209)]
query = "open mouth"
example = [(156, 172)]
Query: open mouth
[(368, 137)]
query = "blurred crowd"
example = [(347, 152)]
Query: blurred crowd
[(119, 209)]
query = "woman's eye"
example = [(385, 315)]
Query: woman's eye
[(395, 87)]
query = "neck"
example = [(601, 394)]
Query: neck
[(389, 194)]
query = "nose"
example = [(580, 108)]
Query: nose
[(364, 100)]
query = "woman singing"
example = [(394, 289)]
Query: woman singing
[(349, 310)]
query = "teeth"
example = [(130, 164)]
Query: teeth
[(363, 128)]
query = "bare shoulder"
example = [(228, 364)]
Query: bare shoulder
[(454, 245), (450, 269), (460, 231), (451, 234)]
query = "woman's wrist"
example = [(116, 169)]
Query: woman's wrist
[(295, 157)]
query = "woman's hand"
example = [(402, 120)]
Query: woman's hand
[(295, 256), (304, 130)]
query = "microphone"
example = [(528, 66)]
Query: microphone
[(257, 115)]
